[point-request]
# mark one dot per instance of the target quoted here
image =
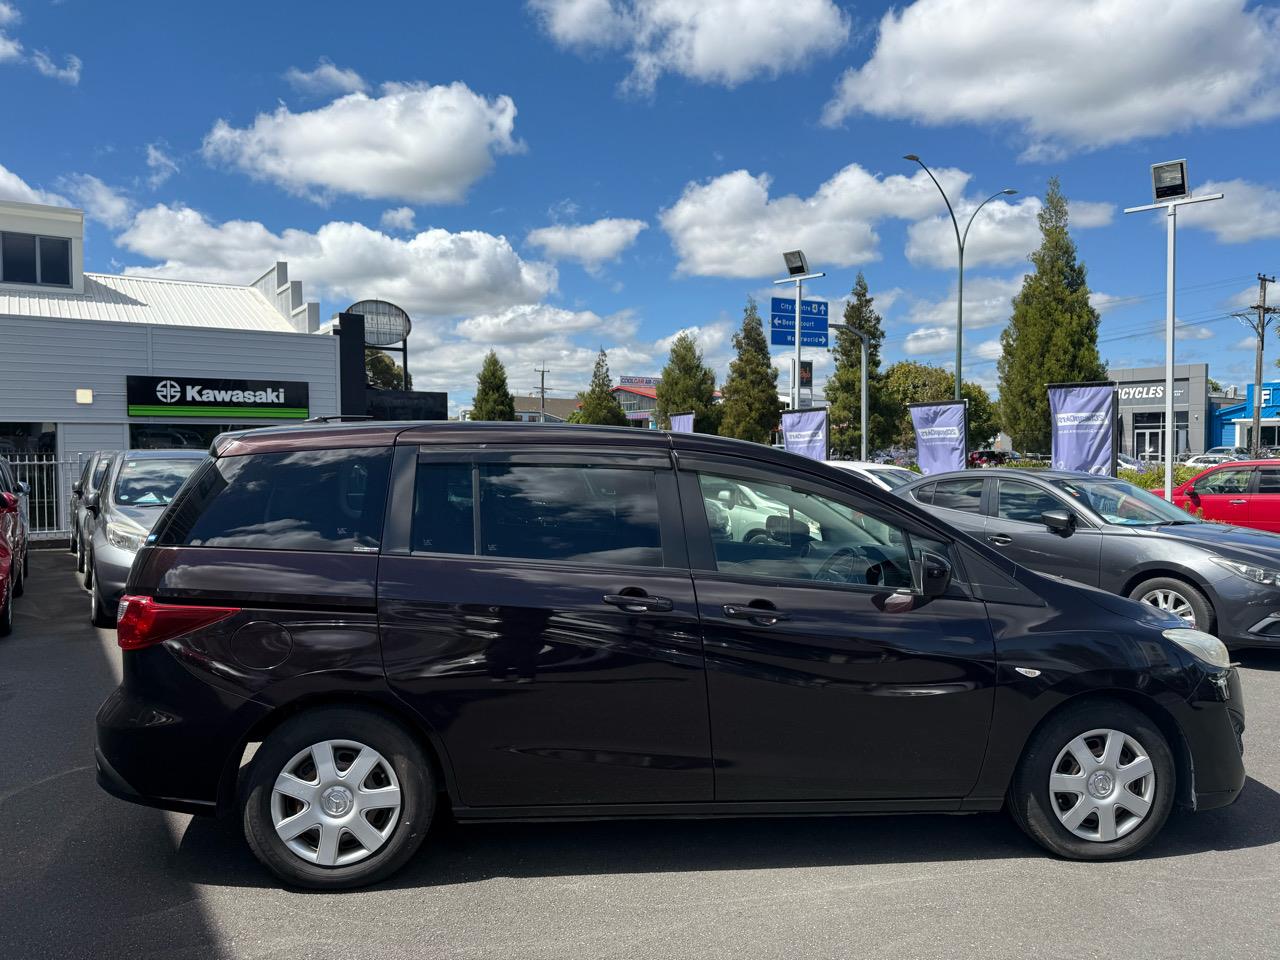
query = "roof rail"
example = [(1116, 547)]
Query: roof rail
[(338, 418)]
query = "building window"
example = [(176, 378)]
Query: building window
[(27, 258)]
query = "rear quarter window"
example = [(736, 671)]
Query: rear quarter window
[(322, 500)]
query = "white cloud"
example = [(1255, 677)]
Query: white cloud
[(101, 202), (929, 340), (399, 218), (1249, 343), (725, 42), (1104, 302), (9, 14), (1070, 76), (987, 301), (162, 165), (988, 349), (433, 273), (415, 142), (10, 49), (527, 323), (69, 72), (326, 79), (1003, 233), (13, 187), (730, 227), (591, 244), (1247, 211), (1192, 333)]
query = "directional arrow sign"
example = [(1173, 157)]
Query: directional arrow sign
[(813, 323)]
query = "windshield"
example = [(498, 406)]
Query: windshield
[(151, 483), (895, 478), (1122, 503)]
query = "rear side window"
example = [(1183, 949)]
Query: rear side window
[(958, 494), (326, 500), (100, 471), (444, 509), (1269, 480), (584, 513), (924, 493)]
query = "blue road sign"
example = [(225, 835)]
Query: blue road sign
[(813, 323)]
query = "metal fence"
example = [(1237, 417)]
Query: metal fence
[(50, 480)]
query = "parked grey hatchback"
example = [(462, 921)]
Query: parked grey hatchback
[(1111, 534)]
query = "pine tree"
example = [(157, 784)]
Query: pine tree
[(750, 410), (493, 400), (844, 387), (1053, 335), (687, 386), (907, 382), (383, 373), (598, 403)]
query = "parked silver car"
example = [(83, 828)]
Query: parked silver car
[(138, 486), (91, 475)]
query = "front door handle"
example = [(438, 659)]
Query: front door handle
[(1000, 539), (758, 614), (638, 602), (1238, 502)]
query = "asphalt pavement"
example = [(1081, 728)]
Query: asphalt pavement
[(86, 875)]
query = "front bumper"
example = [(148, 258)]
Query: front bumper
[(111, 567), (1214, 730)]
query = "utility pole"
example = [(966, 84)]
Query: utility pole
[(1258, 323), (542, 393)]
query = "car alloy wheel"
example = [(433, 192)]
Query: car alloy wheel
[(1172, 601), (1102, 785), (335, 803)]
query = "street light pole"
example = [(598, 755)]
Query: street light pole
[(960, 242)]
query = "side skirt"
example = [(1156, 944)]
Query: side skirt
[(694, 811)]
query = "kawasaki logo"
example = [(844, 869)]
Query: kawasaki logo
[(168, 391), (199, 394)]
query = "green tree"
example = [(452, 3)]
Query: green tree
[(1216, 387), (750, 408), (383, 373), (493, 400), (908, 382), (844, 387), (598, 403), (1053, 334), (688, 386)]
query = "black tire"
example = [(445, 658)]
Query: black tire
[(20, 578), (1199, 603), (1030, 800), (72, 542), (412, 769), (99, 616), (80, 558), (87, 580), (6, 610)]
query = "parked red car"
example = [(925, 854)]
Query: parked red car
[(13, 545), (1245, 493)]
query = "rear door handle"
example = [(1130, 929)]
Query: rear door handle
[(1000, 539), (639, 603), (763, 616)]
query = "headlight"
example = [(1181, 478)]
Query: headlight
[(125, 537), (1204, 646), (1249, 571)]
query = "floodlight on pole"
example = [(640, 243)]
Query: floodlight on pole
[(1171, 188), (797, 272), (961, 239)]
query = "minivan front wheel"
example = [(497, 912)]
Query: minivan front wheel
[(337, 798), (1096, 782)]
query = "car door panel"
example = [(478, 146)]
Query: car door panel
[(1264, 505), (1223, 495), (1014, 529)]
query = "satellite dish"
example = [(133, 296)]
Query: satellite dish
[(384, 323)]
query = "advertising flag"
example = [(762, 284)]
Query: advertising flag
[(682, 423), (1084, 426), (940, 435), (805, 432)]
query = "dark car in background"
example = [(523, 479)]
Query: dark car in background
[(336, 629), (1110, 534), (92, 473), (15, 542), (137, 487)]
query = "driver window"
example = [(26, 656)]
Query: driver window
[(1230, 480), (795, 535), (1024, 502)]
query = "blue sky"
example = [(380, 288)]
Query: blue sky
[(548, 177)]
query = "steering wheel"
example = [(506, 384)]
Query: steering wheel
[(881, 572), (828, 569)]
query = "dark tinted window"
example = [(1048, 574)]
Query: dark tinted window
[(443, 509), (55, 261), (150, 483), (583, 513), (329, 500), (18, 258), (960, 494), (924, 493), (1024, 501), (1269, 480), (100, 471)]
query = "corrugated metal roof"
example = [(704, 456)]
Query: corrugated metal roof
[(178, 303)]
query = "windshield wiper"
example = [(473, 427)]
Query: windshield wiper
[(1170, 523)]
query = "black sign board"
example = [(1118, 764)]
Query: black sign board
[(806, 374), (407, 405), (216, 397)]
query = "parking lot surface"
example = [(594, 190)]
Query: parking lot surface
[(86, 875)]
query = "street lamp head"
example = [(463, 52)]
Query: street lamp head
[(1008, 191), (797, 263), (912, 157)]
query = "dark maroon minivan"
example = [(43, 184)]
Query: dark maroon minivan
[(336, 630)]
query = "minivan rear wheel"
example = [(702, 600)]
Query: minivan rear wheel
[(337, 798), (1177, 597), (1096, 782)]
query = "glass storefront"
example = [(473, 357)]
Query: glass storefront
[(179, 436), (1148, 434), (24, 438)]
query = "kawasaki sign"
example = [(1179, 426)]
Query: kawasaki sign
[(212, 397)]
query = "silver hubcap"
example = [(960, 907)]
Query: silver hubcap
[(1172, 601), (1102, 785), (336, 803)]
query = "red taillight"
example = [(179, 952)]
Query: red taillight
[(143, 622)]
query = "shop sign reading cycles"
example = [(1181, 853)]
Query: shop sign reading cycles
[(216, 397)]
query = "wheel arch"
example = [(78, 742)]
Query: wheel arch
[(1169, 572), (388, 707)]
